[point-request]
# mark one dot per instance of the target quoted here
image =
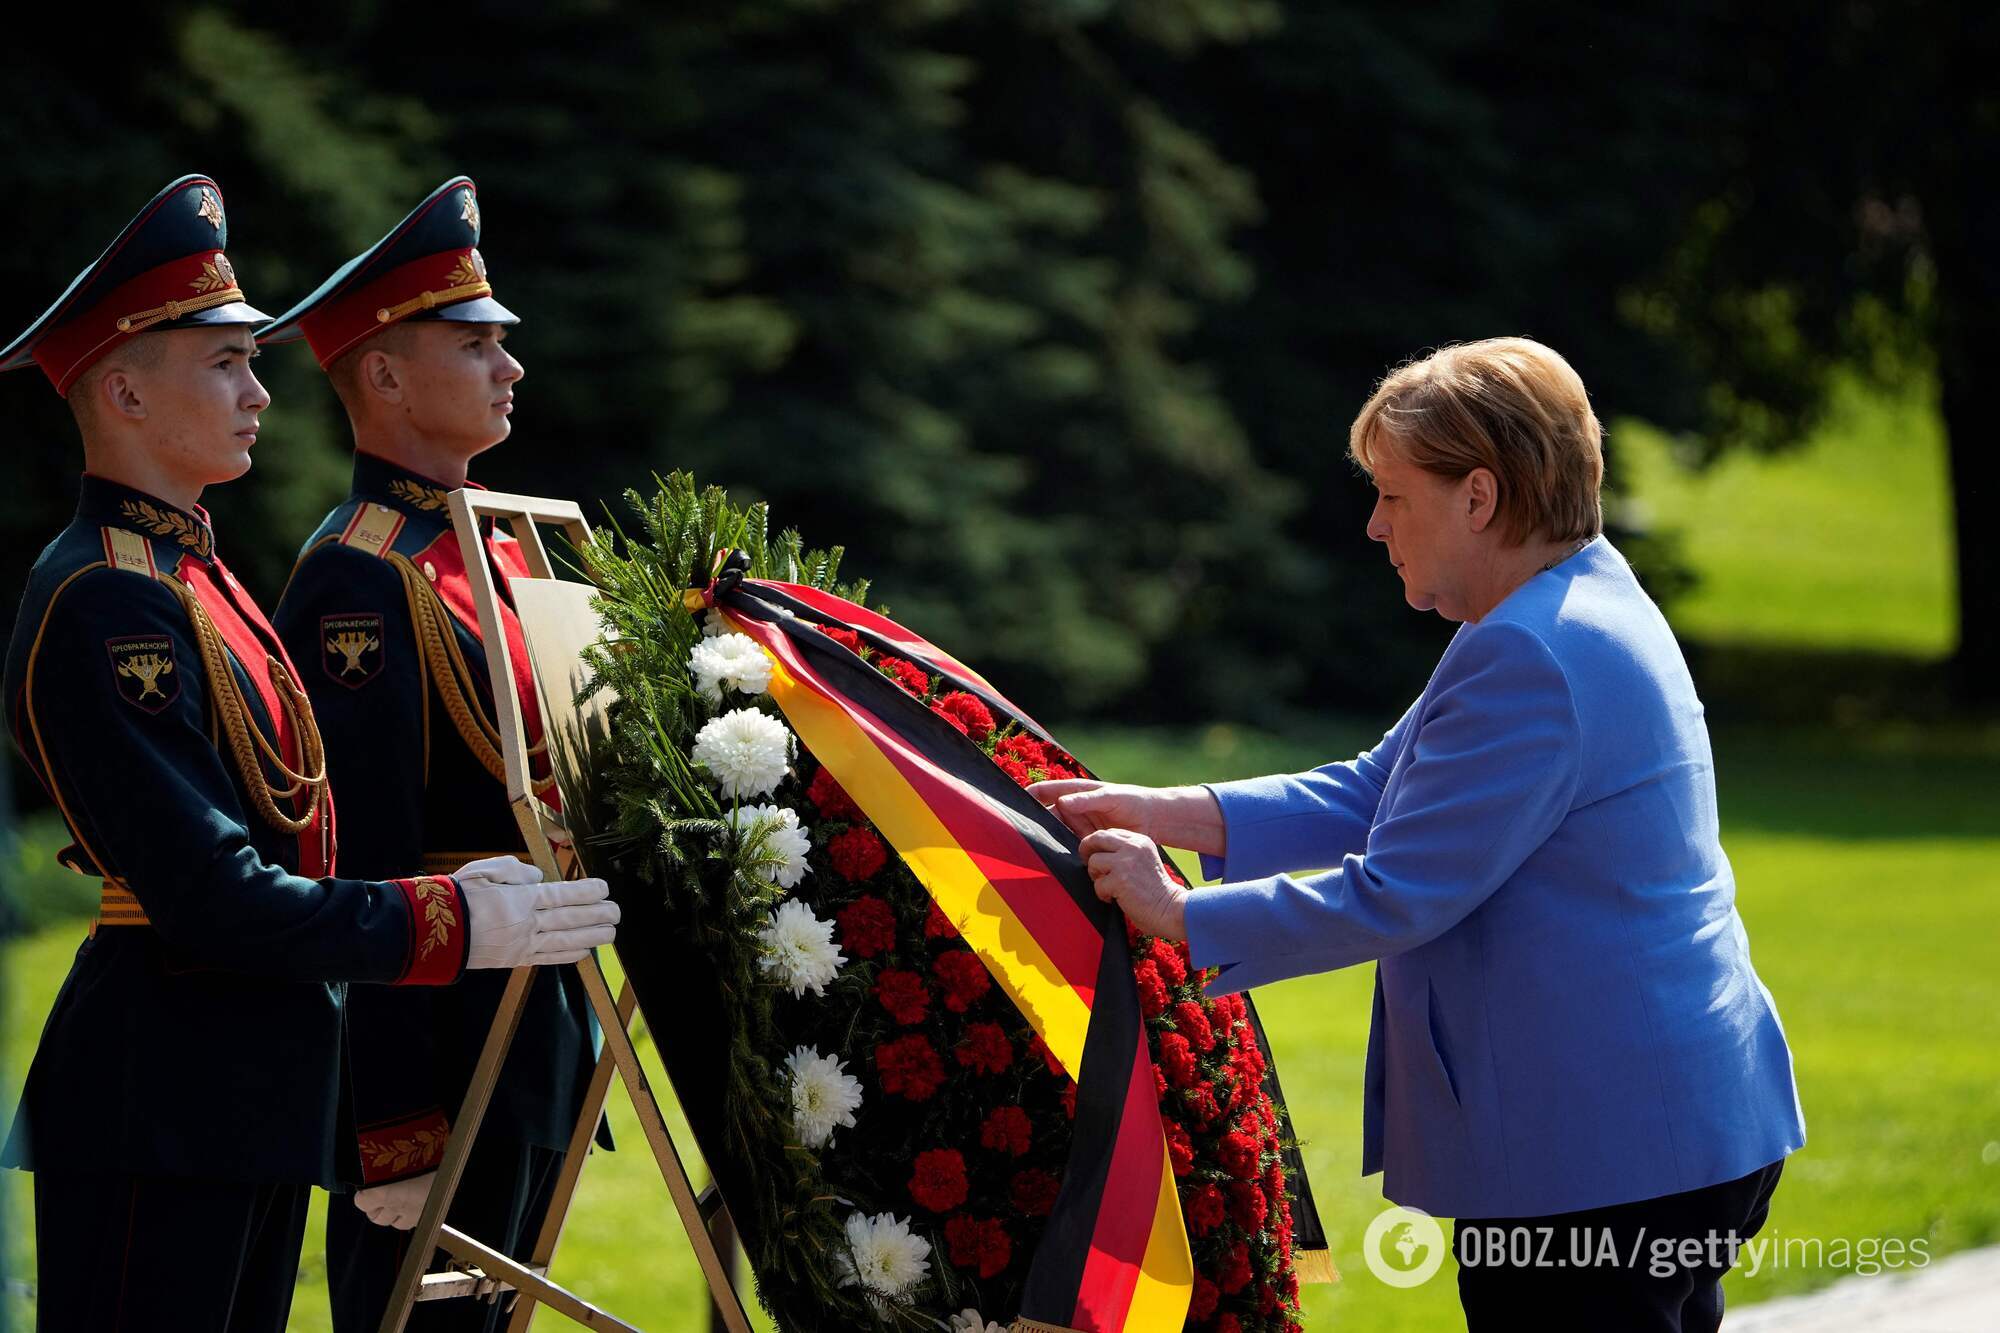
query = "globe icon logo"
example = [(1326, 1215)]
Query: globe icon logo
[(1403, 1247)]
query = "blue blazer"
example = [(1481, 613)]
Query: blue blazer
[(1565, 1012)]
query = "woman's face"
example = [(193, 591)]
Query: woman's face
[(1431, 526)]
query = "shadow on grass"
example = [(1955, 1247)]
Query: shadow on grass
[(1846, 745)]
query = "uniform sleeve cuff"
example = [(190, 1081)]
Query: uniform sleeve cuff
[(403, 1148), (438, 923)]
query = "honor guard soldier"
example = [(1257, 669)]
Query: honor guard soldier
[(380, 612), (190, 1085)]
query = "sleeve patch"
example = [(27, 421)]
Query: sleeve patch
[(143, 665), (405, 1148), (350, 647)]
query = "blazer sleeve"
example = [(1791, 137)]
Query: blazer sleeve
[(154, 801), (1301, 821), (1498, 754), (373, 724)]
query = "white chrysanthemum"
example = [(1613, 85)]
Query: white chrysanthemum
[(783, 838), (883, 1258), (744, 751), (800, 949), (729, 662), (824, 1095), (968, 1321), (713, 624)]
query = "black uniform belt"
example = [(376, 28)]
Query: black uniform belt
[(445, 863), (119, 906)]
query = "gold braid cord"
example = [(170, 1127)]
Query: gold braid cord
[(445, 663), (246, 741)]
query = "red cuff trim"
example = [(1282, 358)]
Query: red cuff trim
[(438, 922), (403, 1148)]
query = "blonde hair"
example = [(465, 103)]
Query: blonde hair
[(1509, 405)]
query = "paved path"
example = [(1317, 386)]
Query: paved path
[(1956, 1294)]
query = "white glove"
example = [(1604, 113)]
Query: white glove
[(397, 1204), (519, 921)]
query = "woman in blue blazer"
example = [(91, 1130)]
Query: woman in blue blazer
[(1568, 1036)]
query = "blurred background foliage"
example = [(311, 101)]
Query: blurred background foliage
[(1056, 311)]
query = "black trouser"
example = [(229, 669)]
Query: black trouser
[(141, 1253), (1578, 1270), (500, 1202)]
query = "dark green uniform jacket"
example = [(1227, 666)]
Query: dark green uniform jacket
[(379, 616), (199, 1032)]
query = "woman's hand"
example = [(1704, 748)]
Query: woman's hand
[(1174, 816), (1125, 868)]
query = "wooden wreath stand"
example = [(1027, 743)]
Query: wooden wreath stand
[(558, 624)]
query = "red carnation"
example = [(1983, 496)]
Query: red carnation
[(980, 1243), (938, 1180), (1249, 1061), (1159, 1081), (1006, 1129), (1016, 770), (972, 716), (1167, 957), (1202, 1106), (907, 674), (1235, 1273), (857, 854), (904, 995), (867, 927), (1247, 1206), (1038, 1047), (1238, 1154), (1180, 1148), (1177, 1058), (938, 926), (1205, 1209), (845, 637), (1022, 749), (1267, 1299), (963, 978), (830, 798), (1228, 1323), (1192, 1023), (986, 1049), (1152, 990), (910, 1066), (1202, 1304), (1034, 1191)]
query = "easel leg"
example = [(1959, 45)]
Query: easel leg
[(424, 1240), (579, 1148), (618, 1043)]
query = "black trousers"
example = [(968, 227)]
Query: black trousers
[(125, 1252), (500, 1201), (1654, 1266)]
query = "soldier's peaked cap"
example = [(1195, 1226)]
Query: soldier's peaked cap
[(166, 270), (427, 267)]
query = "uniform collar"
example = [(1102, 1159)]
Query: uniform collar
[(173, 531), (378, 479)]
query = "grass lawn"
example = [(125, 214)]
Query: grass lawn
[(1866, 866), (1843, 544)]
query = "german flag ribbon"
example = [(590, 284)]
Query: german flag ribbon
[(1007, 874)]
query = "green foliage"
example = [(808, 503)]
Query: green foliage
[(659, 823)]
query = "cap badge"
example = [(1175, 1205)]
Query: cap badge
[(211, 209), (469, 212)]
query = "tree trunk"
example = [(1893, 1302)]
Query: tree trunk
[(1962, 216)]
